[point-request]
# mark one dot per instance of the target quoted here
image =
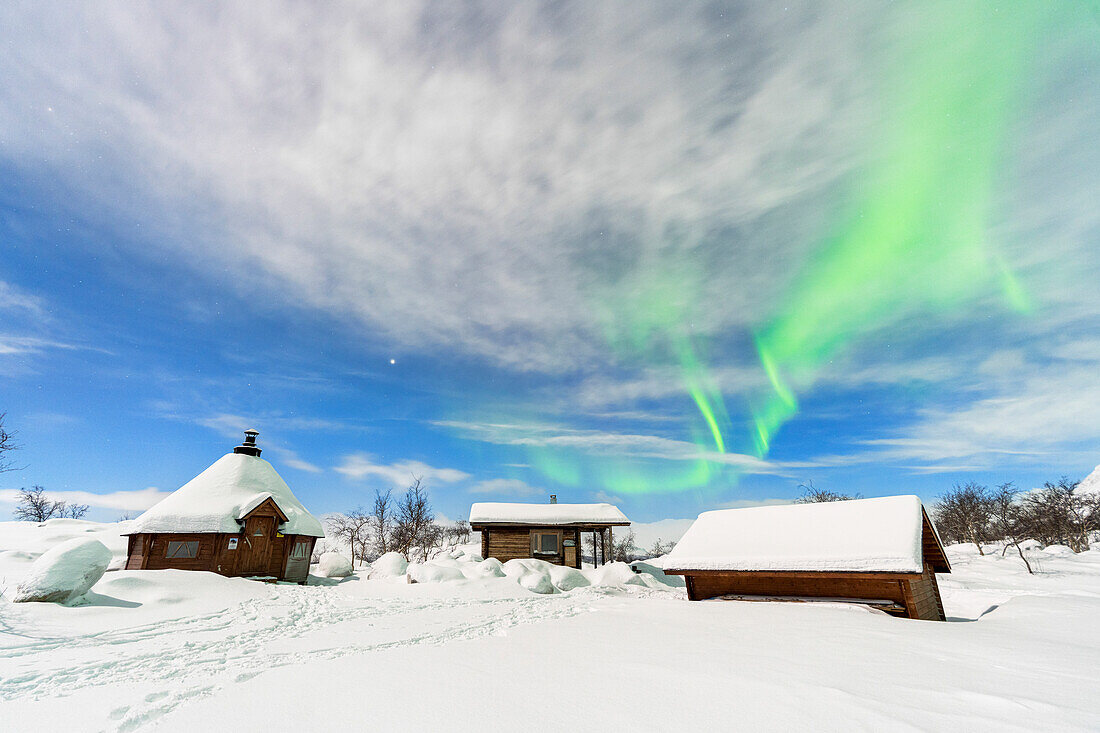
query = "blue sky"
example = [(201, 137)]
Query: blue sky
[(473, 244)]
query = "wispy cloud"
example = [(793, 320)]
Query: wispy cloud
[(599, 442), (138, 500), (401, 473)]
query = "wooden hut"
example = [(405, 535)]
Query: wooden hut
[(550, 532), (883, 553), (238, 517)]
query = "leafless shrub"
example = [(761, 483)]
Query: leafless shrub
[(813, 495), (964, 513), (1007, 520), (352, 528), (660, 548), (1059, 514), (415, 533), (624, 549)]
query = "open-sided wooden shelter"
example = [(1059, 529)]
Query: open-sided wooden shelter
[(238, 517), (550, 532), (882, 552)]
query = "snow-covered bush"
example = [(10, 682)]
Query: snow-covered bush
[(333, 565), (65, 572), (390, 565)]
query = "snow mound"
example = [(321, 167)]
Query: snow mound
[(534, 575), (334, 565), (1061, 550), (490, 568), (65, 572), (1031, 545), (658, 575), (390, 565), (435, 572), (616, 573), (565, 578)]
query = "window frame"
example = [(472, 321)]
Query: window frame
[(190, 546), (537, 543), (304, 544)]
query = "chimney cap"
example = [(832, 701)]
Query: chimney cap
[(248, 447)]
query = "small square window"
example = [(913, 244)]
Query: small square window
[(182, 549), (545, 543), (300, 551)]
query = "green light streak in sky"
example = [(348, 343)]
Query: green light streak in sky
[(913, 240)]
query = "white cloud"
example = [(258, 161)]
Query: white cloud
[(138, 500), (401, 473)]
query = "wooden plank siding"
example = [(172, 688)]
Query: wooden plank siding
[(514, 542), (148, 552), (918, 594)]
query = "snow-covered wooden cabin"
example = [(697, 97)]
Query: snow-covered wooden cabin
[(238, 517), (550, 532), (882, 552)]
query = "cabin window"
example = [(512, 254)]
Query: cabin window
[(300, 551), (182, 549), (545, 543)]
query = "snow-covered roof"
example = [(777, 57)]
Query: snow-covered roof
[(1091, 483), (869, 535), (228, 490), (544, 514)]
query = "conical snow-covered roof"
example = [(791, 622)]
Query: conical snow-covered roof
[(225, 492), (1091, 483)]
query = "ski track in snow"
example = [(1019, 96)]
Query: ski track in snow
[(194, 651)]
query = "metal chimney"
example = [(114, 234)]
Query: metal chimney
[(553, 498), (248, 447)]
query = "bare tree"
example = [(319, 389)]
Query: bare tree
[(73, 511), (34, 506), (1058, 514), (414, 532), (813, 495), (624, 549), (7, 445), (382, 523), (354, 529), (660, 548), (459, 533), (1006, 519), (963, 514)]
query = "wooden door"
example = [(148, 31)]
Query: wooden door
[(256, 545)]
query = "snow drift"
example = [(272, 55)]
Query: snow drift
[(65, 572), (333, 565)]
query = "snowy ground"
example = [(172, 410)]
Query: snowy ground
[(171, 650)]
